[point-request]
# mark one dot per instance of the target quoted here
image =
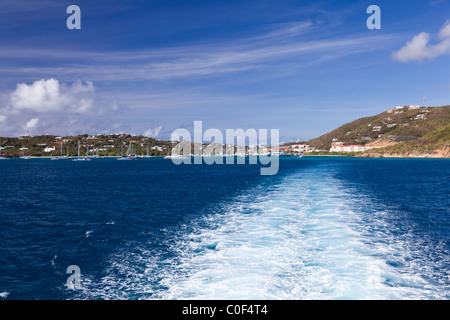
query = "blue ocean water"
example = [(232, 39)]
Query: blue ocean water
[(322, 228)]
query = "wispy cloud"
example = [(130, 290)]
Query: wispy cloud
[(61, 89), (190, 61)]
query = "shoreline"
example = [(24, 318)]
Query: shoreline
[(377, 156), (388, 156)]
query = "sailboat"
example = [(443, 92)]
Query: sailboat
[(23, 155), (79, 157), (129, 156), (95, 155), (60, 157), (145, 156)]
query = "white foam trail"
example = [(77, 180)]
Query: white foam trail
[(300, 241), (308, 237)]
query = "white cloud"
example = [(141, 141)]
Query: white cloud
[(49, 96), (30, 125), (153, 132), (418, 48), (42, 95), (49, 106)]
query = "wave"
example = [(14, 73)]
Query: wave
[(4, 294)]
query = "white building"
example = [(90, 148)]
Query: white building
[(300, 147), (349, 148), (377, 128), (47, 149), (157, 148)]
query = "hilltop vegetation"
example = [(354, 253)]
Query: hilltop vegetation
[(403, 131)]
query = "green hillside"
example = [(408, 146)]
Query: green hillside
[(436, 142), (409, 129)]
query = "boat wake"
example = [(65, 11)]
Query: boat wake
[(304, 238)]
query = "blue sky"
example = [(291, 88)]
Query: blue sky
[(149, 67)]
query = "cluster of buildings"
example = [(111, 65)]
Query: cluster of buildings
[(340, 147), (402, 109), (97, 143), (290, 149), (387, 123)]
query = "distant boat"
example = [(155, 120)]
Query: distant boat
[(24, 157), (179, 156), (60, 157), (145, 156), (79, 157), (130, 155), (95, 155), (126, 158)]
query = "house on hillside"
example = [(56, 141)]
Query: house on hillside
[(377, 128), (48, 149), (158, 148)]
